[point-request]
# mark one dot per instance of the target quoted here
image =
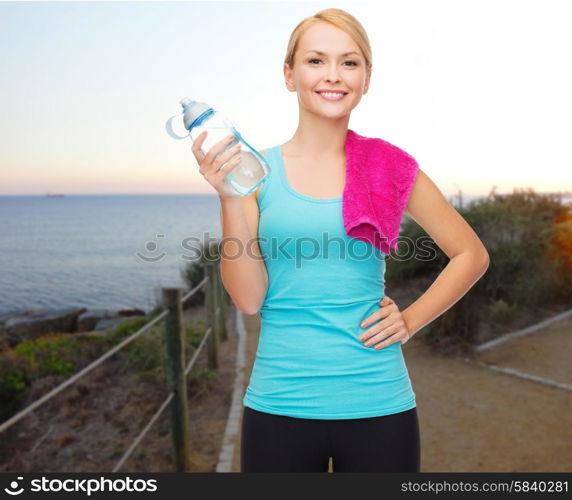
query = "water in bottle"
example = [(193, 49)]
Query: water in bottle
[(252, 170)]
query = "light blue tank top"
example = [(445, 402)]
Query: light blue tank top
[(310, 362)]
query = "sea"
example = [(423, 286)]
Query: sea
[(100, 251)]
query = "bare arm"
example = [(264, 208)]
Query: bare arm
[(469, 258), (242, 267)]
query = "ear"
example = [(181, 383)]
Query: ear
[(367, 79), (288, 78)]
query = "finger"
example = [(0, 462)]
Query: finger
[(197, 145), (226, 157), (383, 338), (215, 150), (379, 335), (392, 339), (377, 315), (386, 300), (229, 166), (375, 329)]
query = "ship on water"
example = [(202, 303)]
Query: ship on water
[(54, 195)]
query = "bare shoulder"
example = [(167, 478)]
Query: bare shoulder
[(423, 193), (432, 211)]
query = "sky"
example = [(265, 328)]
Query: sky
[(477, 91)]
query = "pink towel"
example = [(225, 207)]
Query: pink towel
[(379, 178)]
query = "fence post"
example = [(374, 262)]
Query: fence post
[(222, 304), (211, 304), (176, 380)]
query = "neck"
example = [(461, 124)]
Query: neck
[(319, 137)]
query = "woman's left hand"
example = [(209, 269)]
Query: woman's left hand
[(391, 329)]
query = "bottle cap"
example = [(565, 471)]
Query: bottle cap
[(192, 110), (184, 101)]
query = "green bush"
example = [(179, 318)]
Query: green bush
[(14, 382), (49, 354), (128, 327), (416, 256), (64, 354), (517, 230), (146, 355), (194, 333), (147, 352), (194, 273), (500, 312)]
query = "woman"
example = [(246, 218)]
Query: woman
[(324, 384)]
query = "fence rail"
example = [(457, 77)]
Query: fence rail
[(172, 313)]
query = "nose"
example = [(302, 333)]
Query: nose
[(332, 74)]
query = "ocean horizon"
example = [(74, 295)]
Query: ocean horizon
[(102, 251)]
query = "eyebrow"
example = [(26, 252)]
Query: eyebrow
[(323, 53)]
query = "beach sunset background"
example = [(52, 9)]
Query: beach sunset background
[(477, 91)]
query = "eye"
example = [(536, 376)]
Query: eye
[(316, 59)]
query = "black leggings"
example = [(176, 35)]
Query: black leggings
[(277, 443)]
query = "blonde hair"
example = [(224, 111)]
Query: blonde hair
[(338, 18)]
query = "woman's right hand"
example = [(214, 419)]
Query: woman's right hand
[(213, 168)]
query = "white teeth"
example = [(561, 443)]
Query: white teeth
[(331, 94)]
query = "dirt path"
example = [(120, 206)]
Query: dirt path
[(473, 419), (544, 353)]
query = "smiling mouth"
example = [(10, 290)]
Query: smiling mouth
[(331, 96)]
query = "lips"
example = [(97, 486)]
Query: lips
[(328, 98)]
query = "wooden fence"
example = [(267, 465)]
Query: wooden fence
[(176, 371)]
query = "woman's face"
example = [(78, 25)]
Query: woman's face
[(331, 70)]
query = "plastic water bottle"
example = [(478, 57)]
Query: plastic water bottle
[(252, 170)]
